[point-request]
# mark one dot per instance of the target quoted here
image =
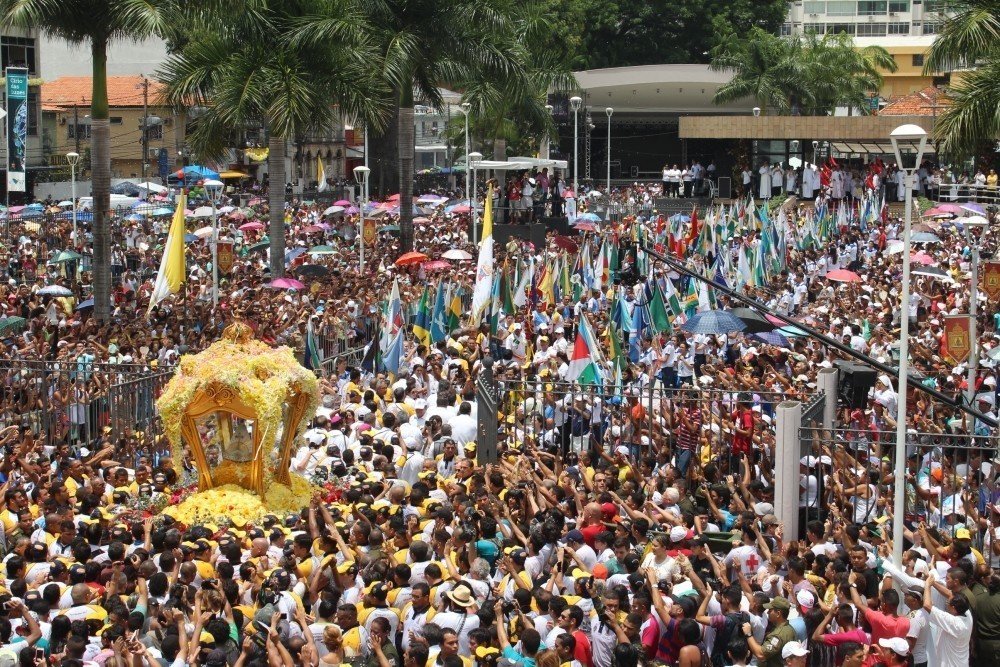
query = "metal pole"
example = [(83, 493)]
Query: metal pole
[(608, 110), (145, 126), (468, 174), (361, 231), (899, 474), (215, 255), (576, 141), (72, 178), (970, 392)]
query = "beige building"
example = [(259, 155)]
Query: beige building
[(132, 101)]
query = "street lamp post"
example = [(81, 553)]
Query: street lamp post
[(815, 147), (465, 107), (609, 111), (73, 159), (546, 138), (361, 176), (213, 189), (472, 159), (574, 103), (970, 391), (908, 140)]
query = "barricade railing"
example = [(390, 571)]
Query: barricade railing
[(570, 417), (74, 402), (951, 481)]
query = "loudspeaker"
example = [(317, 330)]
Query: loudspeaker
[(856, 380), (725, 190)]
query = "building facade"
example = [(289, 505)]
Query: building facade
[(20, 48)]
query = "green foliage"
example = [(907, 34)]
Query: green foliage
[(809, 76), (971, 36), (620, 33)]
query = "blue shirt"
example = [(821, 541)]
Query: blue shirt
[(517, 658)]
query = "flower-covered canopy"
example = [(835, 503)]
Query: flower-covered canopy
[(238, 376)]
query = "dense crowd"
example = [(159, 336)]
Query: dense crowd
[(624, 523)]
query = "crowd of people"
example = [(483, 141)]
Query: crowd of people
[(629, 522)]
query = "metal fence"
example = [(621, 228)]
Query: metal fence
[(951, 481), (78, 402), (576, 418)]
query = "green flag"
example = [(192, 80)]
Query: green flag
[(658, 318)]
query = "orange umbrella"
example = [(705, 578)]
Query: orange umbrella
[(411, 258)]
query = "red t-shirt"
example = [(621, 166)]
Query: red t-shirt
[(590, 532), (884, 626), (743, 420), (583, 651)]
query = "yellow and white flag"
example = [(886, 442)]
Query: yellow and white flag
[(321, 175), (483, 289), (171, 275)]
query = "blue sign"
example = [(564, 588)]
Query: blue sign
[(17, 127), (164, 164)]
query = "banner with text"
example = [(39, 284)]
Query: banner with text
[(957, 338), (17, 127)]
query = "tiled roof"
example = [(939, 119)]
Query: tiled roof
[(123, 91), (927, 102)]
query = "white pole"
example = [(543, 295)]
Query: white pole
[(72, 171), (215, 254), (786, 467), (899, 474), (468, 173), (970, 392), (609, 112), (361, 228), (576, 129)]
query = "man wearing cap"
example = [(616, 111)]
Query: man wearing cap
[(793, 654), (769, 653)]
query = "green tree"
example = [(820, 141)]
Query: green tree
[(96, 23), (766, 68), (249, 71), (970, 38), (424, 44)]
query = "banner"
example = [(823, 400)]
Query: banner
[(17, 127), (957, 338), (369, 232), (991, 280), (224, 253)]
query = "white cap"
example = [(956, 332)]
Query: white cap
[(678, 533), (761, 509), (805, 599), (897, 645), (420, 404), (808, 461), (796, 649)]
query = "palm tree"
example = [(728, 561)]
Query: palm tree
[(838, 74), (969, 38), (97, 23), (424, 45), (249, 72), (766, 68)]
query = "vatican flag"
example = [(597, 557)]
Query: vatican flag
[(483, 290), (321, 175), (171, 274)]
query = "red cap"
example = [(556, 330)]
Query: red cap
[(609, 510)]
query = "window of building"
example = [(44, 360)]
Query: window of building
[(115, 120), (154, 132), (899, 6), (871, 30), (918, 60), (786, 29), (934, 6), (834, 28), (32, 112), (81, 131), (930, 28), (842, 7), (18, 52), (899, 28), (814, 7), (872, 7)]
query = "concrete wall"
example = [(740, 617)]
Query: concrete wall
[(60, 58), (867, 128)]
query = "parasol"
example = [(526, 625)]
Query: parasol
[(312, 270), (457, 255), (251, 227), (843, 276), (754, 321), (286, 283), (55, 290), (714, 322), (410, 258), (435, 264)]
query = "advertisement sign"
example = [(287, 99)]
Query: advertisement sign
[(957, 338), (17, 127), (163, 164), (224, 251), (991, 280)]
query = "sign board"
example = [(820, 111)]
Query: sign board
[(17, 127), (957, 338), (369, 232), (224, 253), (991, 280)]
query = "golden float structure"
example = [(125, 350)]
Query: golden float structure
[(243, 378)]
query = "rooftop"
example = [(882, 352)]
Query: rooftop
[(123, 91), (926, 102)]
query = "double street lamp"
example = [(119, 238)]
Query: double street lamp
[(574, 103), (73, 159), (361, 173), (609, 111)]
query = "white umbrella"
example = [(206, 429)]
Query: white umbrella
[(212, 183), (226, 209), (55, 290), (333, 209), (895, 247), (65, 204), (974, 220), (151, 187), (457, 255), (203, 232), (202, 212)]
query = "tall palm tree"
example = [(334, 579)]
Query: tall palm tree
[(97, 23), (766, 69), (425, 44), (839, 74), (249, 71), (969, 38)]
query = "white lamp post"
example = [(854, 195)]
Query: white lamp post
[(73, 159), (465, 107), (213, 189), (472, 159), (609, 111), (908, 141), (978, 222), (574, 103), (361, 176), (546, 138), (756, 112)]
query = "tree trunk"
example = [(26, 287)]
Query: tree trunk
[(100, 143), (276, 204), (384, 158), (405, 117), (500, 150)]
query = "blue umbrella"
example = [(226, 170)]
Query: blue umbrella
[(792, 332), (772, 338), (198, 171), (135, 217), (680, 217), (33, 207), (163, 210), (589, 217), (714, 322), (190, 238), (81, 216), (924, 237), (89, 303), (293, 253)]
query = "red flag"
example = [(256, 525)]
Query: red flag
[(693, 236)]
